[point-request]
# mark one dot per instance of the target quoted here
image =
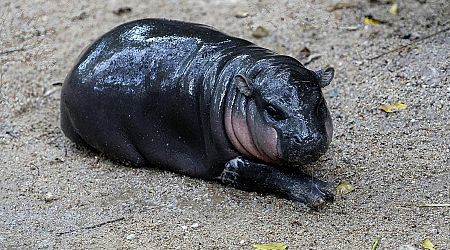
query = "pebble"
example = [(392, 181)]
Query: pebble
[(260, 32), (333, 93), (430, 75), (195, 225), (131, 237), (241, 14), (406, 247), (49, 197)]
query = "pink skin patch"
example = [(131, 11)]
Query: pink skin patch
[(242, 132), (270, 142), (230, 133), (264, 137)]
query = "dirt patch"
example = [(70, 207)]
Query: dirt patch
[(56, 195)]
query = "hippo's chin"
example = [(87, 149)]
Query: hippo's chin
[(300, 160), (309, 159)]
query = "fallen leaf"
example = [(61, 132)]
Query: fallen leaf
[(393, 107), (344, 188), (394, 9), (260, 32), (270, 246), (428, 245), (369, 20), (375, 244)]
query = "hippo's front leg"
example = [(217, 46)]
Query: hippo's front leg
[(247, 175)]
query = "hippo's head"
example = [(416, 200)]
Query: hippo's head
[(280, 115)]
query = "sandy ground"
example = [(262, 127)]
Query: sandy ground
[(56, 195)]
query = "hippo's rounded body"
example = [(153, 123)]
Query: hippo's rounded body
[(190, 99)]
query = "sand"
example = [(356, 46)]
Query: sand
[(56, 195)]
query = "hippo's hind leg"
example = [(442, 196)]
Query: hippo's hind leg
[(67, 128), (244, 174), (123, 150)]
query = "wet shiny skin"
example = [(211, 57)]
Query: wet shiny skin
[(162, 92)]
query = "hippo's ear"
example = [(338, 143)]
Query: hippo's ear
[(243, 84), (325, 76)]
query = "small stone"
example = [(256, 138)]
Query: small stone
[(260, 32), (242, 242), (430, 75), (184, 227), (304, 53), (49, 197), (122, 11), (406, 247), (131, 237), (333, 93), (241, 15), (195, 225)]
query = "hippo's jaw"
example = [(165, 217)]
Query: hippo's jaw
[(248, 133)]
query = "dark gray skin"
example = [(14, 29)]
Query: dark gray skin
[(190, 99)]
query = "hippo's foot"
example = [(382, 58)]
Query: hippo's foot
[(296, 186)]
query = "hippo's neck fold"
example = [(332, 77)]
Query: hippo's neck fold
[(230, 112)]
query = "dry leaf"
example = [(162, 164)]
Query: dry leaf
[(260, 32), (394, 9), (369, 20), (270, 246), (393, 107), (375, 244), (344, 188), (428, 245)]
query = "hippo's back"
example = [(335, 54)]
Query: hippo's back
[(134, 93), (145, 50)]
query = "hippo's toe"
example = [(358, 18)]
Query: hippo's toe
[(311, 192)]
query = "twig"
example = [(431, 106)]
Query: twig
[(409, 44), (312, 58), (435, 205), (11, 51), (92, 226)]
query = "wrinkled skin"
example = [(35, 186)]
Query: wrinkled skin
[(187, 98)]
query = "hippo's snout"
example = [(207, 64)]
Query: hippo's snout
[(303, 150)]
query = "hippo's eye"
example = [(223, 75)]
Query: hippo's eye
[(275, 113)]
